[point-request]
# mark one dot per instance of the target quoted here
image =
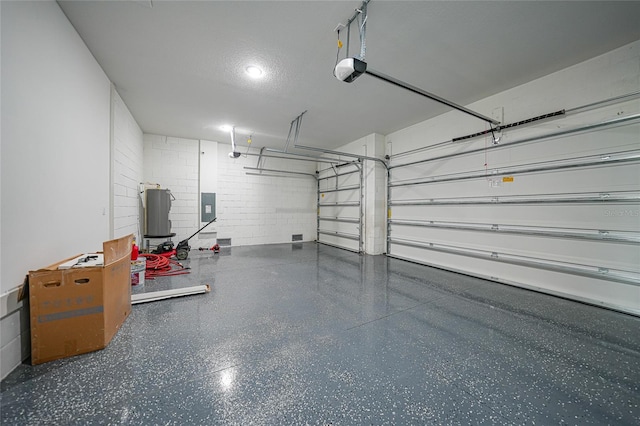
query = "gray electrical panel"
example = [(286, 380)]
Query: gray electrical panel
[(157, 213), (207, 206)]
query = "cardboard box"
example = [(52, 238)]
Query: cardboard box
[(79, 310)]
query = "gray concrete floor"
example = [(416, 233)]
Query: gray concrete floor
[(309, 334)]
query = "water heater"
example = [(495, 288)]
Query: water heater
[(157, 210)]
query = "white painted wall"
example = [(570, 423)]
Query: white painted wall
[(127, 163), (613, 74), (55, 154), (208, 167), (251, 210), (264, 209), (375, 196), (55, 132), (173, 163)]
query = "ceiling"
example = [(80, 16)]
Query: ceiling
[(180, 66)]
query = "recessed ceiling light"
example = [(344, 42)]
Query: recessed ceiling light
[(226, 127), (253, 71)]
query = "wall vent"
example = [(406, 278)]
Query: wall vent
[(296, 237), (224, 241)]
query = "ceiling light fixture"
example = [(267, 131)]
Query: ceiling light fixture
[(226, 127), (253, 71)]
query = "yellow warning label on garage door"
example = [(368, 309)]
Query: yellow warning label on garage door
[(507, 179)]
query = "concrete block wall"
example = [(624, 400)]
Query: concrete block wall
[(251, 210), (264, 209), (127, 164), (15, 338), (173, 163)]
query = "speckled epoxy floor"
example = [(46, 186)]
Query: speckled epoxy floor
[(309, 334)]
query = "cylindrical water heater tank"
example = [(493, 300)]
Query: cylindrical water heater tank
[(157, 213)]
